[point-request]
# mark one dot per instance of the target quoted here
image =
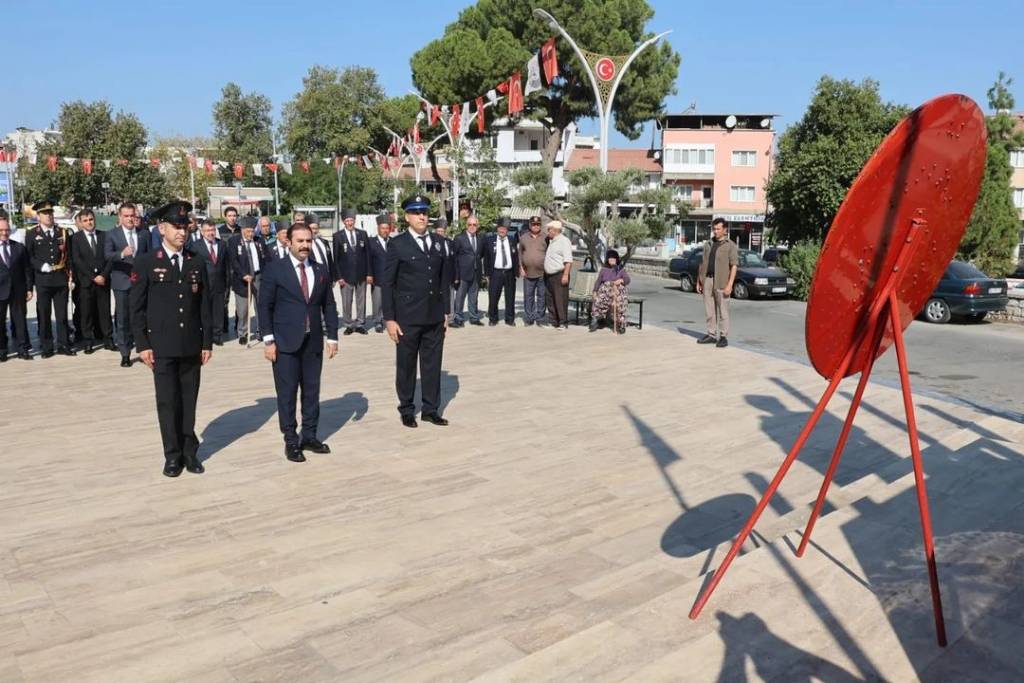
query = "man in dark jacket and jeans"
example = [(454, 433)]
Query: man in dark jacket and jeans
[(715, 278)]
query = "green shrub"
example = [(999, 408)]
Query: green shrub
[(800, 263)]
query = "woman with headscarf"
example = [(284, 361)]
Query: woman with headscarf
[(610, 293)]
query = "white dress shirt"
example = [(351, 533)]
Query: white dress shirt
[(503, 246), (254, 257)]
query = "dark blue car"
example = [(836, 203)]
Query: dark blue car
[(965, 292)]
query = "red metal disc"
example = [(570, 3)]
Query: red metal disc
[(929, 168)]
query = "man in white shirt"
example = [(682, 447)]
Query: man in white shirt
[(247, 259), (557, 266)]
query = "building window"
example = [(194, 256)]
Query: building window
[(533, 145), (741, 193), (1017, 158), (744, 158), (683, 192), (1018, 197), (690, 156)]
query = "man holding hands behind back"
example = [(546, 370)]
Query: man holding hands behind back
[(295, 295), (416, 293)]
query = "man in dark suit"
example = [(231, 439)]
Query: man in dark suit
[(120, 248), (375, 269), (448, 249), (296, 301), (350, 269), (248, 257), (214, 253), (321, 250), (415, 297), (501, 266), (15, 290), (469, 249), (172, 314), (92, 273), (49, 252), (279, 249)]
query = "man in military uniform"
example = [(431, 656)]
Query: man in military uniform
[(172, 320), (49, 252), (415, 291)]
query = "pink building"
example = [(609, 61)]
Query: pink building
[(719, 163)]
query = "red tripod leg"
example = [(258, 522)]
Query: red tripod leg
[(770, 491), (915, 453), (876, 335)]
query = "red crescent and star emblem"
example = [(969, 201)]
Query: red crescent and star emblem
[(605, 69)]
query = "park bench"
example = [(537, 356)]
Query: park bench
[(581, 293)]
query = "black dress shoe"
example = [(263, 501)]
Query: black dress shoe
[(707, 339), (478, 323), (3, 356), (126, 361), (722, 342), (172, 469), (315, 446), (348, 331), (378, 329), (242, 340), (194, 466), (435, 419), (492, 323), (25, 355), (65, 351), (409, 421), (361, 330), (218, 342), (294, 453), (456, 324), (47, 354), (89, 349), (510, 323)]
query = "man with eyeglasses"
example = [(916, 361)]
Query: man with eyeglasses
[(416, 296), (92, 275), (469, 250), (172, 317)]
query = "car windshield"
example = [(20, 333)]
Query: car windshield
[(963, 271), (752, 260)]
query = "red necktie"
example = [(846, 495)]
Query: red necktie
[(213, 254), (304, 283)]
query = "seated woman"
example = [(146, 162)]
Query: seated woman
[(610, 293)]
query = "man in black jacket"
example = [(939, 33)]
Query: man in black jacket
[(416, 295), (92, 274), (49, 253), (469, 249), (375, 269), (214, 253), (501, 266), (15, 290), (248, 255), (350, 266), (172, 314)]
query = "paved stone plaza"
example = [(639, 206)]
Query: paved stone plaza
[(557, 530)]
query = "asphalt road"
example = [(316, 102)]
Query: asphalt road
[(980, 364)]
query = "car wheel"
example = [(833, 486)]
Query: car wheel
[(740, 291), (686, 283), (936, 311)]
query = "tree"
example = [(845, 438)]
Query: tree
[(174, 153), (493, 38), (90, 131), (483, 182), (590, 191), (242, 129), (532, 190), (652, 222), (334, 114), (993, 228), (821, 155)]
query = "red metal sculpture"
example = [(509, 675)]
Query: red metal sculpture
[(890, 242)]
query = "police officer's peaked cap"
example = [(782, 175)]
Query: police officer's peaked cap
[(175, 212), (383, 219), (45, 205), (504, 222), (416, 202), (348, 213), (248, 221)]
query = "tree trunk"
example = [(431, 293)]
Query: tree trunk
[(551, 147)]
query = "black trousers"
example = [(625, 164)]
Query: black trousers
[(94, 305), (48, 296), (220, 318), (18, 308), (123, 322), (501, 282), (558, 299), (423, 344), (177, 390), (292, 372)]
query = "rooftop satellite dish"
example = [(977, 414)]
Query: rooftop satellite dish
[(765, 123), (730, 121)]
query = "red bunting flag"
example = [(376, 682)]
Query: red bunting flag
[(304, 165), (480, 115), (51, 163), (155, 163), (191, 161), (208, 165), (122, 162), (515, 93), (502, 87), (272, 168), (337, 162), (549, 60), (456, 121), (87, 166), (239, 170), (416, 133), (435, 114)]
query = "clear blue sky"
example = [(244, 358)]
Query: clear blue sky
[(166, 61)]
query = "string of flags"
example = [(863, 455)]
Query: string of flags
[(238, 169)]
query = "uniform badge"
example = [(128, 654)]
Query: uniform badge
[(195, 289), (159, 254), (134, 277)]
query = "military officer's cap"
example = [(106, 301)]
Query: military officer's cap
[(504, 222), (311, 219), (416, 202), (45, 205), (534, 220), (175, 213), (383, 219), (348, 213), (248, 221), (284, 225)]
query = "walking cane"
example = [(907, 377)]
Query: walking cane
[(615, 308), (248, 312), (256, 316)]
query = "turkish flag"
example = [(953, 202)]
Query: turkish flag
[(122, 162), (502, 87), (480, 115), (435, 114), (272, 168), (208, 165), (239, 170), (87, 166), (515, 94), (51, 163), (549, 60), (155, 163), (304, 165), (456, 121)]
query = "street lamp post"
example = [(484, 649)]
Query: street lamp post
[(416, 150), (106, 187), (605, 81), (341, 172), (277, 160)]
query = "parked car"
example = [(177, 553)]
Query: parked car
[(966, 292), (1018, 274), (754, 277), (773, 255)]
